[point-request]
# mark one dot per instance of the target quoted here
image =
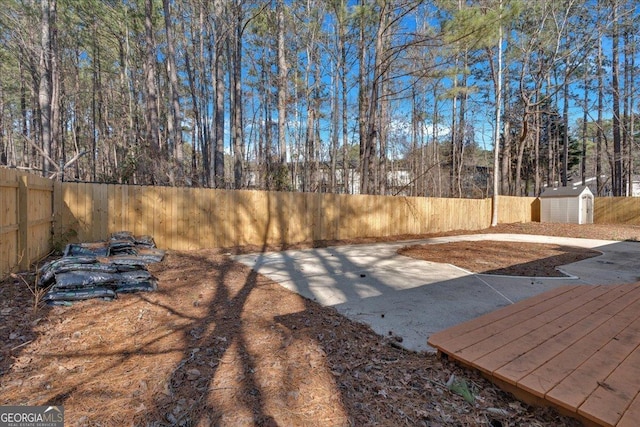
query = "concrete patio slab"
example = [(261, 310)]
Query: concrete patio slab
[(413, 299)]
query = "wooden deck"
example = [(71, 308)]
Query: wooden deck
[(576, 348)]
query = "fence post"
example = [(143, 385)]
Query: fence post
[(23, 222)]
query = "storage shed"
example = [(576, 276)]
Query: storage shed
[(567, 205)]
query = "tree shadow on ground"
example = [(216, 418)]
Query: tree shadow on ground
[(208, 340)]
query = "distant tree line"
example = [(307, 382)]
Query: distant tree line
[(323, 95)]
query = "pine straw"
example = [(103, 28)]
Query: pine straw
[(220, 345), (502, 258)]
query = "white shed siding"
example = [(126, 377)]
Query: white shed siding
[(559, 210), (567, 205)]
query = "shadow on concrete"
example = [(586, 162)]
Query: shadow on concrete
[(413, 298)]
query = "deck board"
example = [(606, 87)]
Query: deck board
[(576, 347), (548, 352), (611, 398), (471, 344), (574, 389), (632, 414), (542, 379), (563, 325), (476, 324)]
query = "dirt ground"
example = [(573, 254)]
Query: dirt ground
[(504, 258), (218, 344)]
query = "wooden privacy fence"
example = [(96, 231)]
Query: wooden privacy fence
[(25, 219), (518, 209), (616, 210), (35, 212), (194, 218)]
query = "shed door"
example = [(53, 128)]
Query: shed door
[(586, 216)]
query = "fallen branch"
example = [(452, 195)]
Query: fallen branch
[(21, 345)]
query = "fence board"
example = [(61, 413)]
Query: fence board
[(163, 215), (114, 215), (203, 211), (192, 223), (39, 216), (101, 211), (617, 210), (223, 217), (26, 219), (8, 221), (78, 209), (85, 201)]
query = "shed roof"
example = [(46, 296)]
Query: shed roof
[(565, 191)]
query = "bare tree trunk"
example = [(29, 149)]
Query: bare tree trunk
[(362, 107), (94, 110), (342, 69), (45, 93), (384, 136), (77, 123), (453, 152), (313, 106), (346, 161), (203, 92), (335, 124), (56, 108), (565, 135), (585, 117), (517, 188), (537, 135), (35, 158), (198, 131), (631, 124), (550, 147), (153, 125), (599, 183), (373, 123), (311, 168), (220, 40), (174, 125), (237, 133), (4, 146), (615, 86), (132, 137), (265, 159), (282, 84), (462, 125), (218, 158), (627, 113), (385, 118), (24, 161), (505, 167), (416, 163), (435, 143)]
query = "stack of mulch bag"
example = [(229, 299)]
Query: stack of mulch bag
[(100, 270)]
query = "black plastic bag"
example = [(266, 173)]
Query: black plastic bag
[(46, 273), (79, 294), (82, 279), (98, 249)]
